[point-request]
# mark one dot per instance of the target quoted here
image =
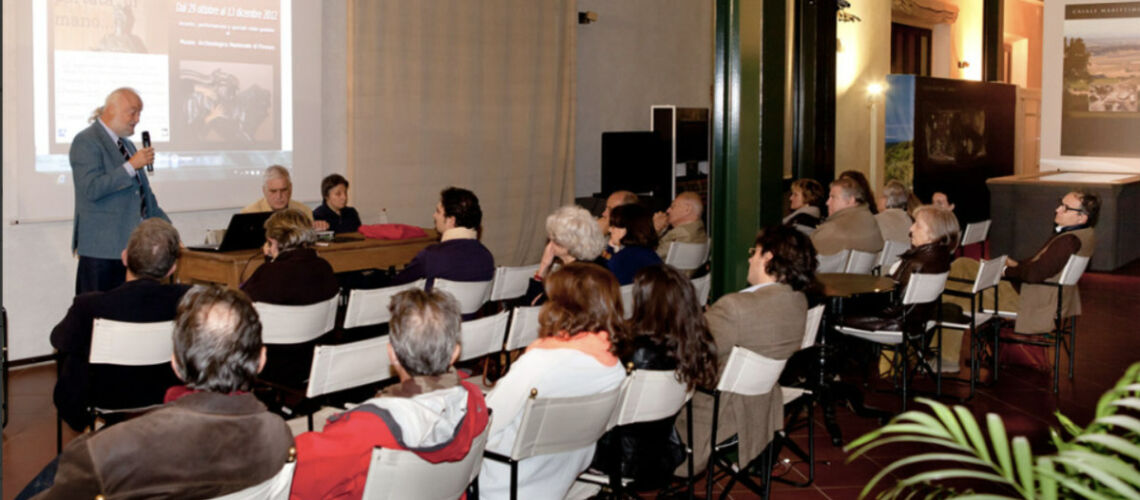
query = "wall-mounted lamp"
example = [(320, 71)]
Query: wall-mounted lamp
[(963, 64), (587, 17), (875, 89)]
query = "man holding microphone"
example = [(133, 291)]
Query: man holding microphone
[(112, 195)]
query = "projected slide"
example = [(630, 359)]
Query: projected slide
[(1100, 104), (211, 75)]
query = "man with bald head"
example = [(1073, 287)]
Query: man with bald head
[(616, 199), (112, 194), (681, 222)]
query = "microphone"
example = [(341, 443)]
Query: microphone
[(146, 144)]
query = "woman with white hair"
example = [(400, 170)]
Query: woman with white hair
[(573, 235)]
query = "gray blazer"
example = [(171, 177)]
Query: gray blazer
[(107, 199)]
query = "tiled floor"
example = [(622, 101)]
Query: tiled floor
[(1107, 344)]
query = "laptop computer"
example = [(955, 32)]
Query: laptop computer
[(245, 231)]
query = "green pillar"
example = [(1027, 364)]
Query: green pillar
[(749, 98)]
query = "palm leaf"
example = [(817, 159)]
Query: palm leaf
[(1122, 421), (947, 417), (1109, 464), (1001, 445), (973, 432), (1118, 487), (914, 459), (1023, 457), (906, 439), (1118, 444)]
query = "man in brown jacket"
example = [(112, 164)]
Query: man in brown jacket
[(849, 225), (211, 438)]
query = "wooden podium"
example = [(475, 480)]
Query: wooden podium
[(231, 268)]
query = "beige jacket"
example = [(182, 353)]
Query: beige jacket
[(1038, 304), (263, 206), (894, 224), (690, 232), (852, 228)]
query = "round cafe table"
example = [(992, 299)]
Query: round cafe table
[(837, 287)]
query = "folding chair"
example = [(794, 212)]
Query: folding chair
[(703, 286), (796, 395), (290, 334), (295, 324), (646, 396), (989, 275), (274, 488), (483, 336), (470, 294), (511, 282), (890, 254), (627, 300), (400, 474), (1063, 327), (975, 232), (522, 331), (859, 262), (687, 256), (922, 289), (556, 425), (748, 374), (346, 366), (370, 307), (834, 263)]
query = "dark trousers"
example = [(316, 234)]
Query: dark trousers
[(99, 275)]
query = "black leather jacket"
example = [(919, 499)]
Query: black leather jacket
[(931, 258)]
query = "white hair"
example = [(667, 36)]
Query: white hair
[(573, 228), (277, 172), (110, 100)]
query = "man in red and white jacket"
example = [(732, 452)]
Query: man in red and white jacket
[(431, 411)]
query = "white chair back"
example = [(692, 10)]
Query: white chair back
[(860, 262), (811, 326), (890, 254), (555, 425), (470, 294), (648, 395), (295, 324), (687, 256), (975, 232), (834, 263), (924, 288), (627, 300), (370, 307), (703, 286), (511, 282), (275, 488), (524, 327), (400, 474), (483, 336), (1073, 270), (749, 374), (339, 367), (989, 274), (131, 344)]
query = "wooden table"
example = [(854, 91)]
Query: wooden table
[(849, 285), (231, 268)]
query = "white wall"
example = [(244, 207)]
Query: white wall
[(39, 270), (639, 53)]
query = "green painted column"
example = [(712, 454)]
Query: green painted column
[(749, 98)]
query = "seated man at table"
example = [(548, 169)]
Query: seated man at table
[(459, 256), (681, 222), (211, 438), (151, 256), (278, 195), (850, 224), (432, 412)]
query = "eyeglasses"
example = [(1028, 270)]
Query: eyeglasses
[(1061, 202)]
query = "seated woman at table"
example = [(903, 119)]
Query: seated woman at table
[(294, 275), (805, 201), (633, 241), (572, 357), (572, 235), (334, 209), (666, 332), (767, 318), (933, 238)]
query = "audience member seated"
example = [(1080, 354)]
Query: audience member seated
[(893, 219), (293, 274), (667, 332), (573, 236), (151, 256), (459, 256), (211, 438), (864, 187), (767, 318), (682, 222), (1023, 290), (278, 195), (849, 225), (933, 238), (805, 202), (616, 199), (334, 210), (940, 200), (430, 412), (633, 240), (572, 357)]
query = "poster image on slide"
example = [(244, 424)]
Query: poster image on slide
[(1101, 80), (224, 104), (108, 27)]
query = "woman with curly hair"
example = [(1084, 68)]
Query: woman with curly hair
[(766, 318), (806, 203), (667, 332)]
